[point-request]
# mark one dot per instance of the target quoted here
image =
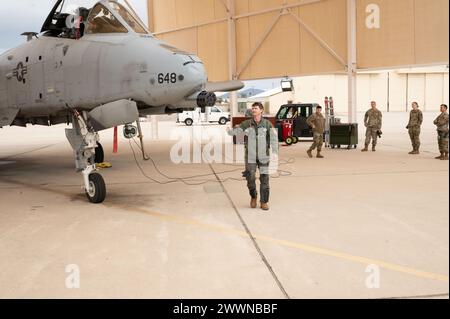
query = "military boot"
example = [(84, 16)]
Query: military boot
[(412, 152), (374, 149), (319, 155), (445, 157), (441, 157), (365, 149), (264, 206), (253, 202), (416, 152), (309, 152)]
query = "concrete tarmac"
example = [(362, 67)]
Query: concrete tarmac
[(353, 225)]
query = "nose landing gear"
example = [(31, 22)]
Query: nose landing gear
[(97, 188), (84, 141)]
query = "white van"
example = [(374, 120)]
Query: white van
[(212, 115)]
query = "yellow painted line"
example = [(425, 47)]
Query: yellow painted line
[(303, 247), (357, 259)]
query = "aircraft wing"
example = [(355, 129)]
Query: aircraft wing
[(226, 86)]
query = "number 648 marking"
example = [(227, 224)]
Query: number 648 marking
[(167, 78)]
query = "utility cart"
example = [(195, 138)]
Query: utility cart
[(343, 135)]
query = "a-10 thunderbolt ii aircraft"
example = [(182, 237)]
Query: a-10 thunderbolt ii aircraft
[(98, 67)]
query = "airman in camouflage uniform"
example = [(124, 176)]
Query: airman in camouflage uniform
[(442, 128), (260, 137), (374, 122), (317, 122), (414, 128)]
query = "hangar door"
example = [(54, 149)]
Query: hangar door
[(253, 39)]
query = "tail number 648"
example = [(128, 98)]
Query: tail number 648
[(167, 78)]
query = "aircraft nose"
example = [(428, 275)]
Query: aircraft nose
[(194, 72)]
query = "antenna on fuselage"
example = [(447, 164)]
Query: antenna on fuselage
[(30, 35)]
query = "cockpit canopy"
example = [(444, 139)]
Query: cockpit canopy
[(71, 20), (130, 19), (101, 20)]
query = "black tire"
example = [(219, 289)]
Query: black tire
[(333, 146), (98, 193), (223, 121), (296, 140), (289, 141), (189, 122), (99, 154)]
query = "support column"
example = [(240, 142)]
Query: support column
[(352, 60), (154, 124), (151, 26), (232, 55)]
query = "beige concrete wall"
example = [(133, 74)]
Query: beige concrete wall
[(273, 102), (378, 92), (364, 95), (445, 90), (397, 92), (429, 90), (416, 89), (277, 100), (434, 87), (313, 89)]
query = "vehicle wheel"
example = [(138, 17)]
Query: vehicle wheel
[(223, 121), (295, 139), (99, 154), (189, 122), (289, 141), (355, 146), (333, 146), (97, 192), (339, 146)]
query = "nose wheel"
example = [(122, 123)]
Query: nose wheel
[(96, 192), (88, 152)]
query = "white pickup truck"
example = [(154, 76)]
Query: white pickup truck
[(211, 115)]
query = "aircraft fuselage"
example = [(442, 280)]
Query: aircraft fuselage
[(38, 78)]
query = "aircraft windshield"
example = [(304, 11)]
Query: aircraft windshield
[(128, 17), (74, 18), (101, 20)]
